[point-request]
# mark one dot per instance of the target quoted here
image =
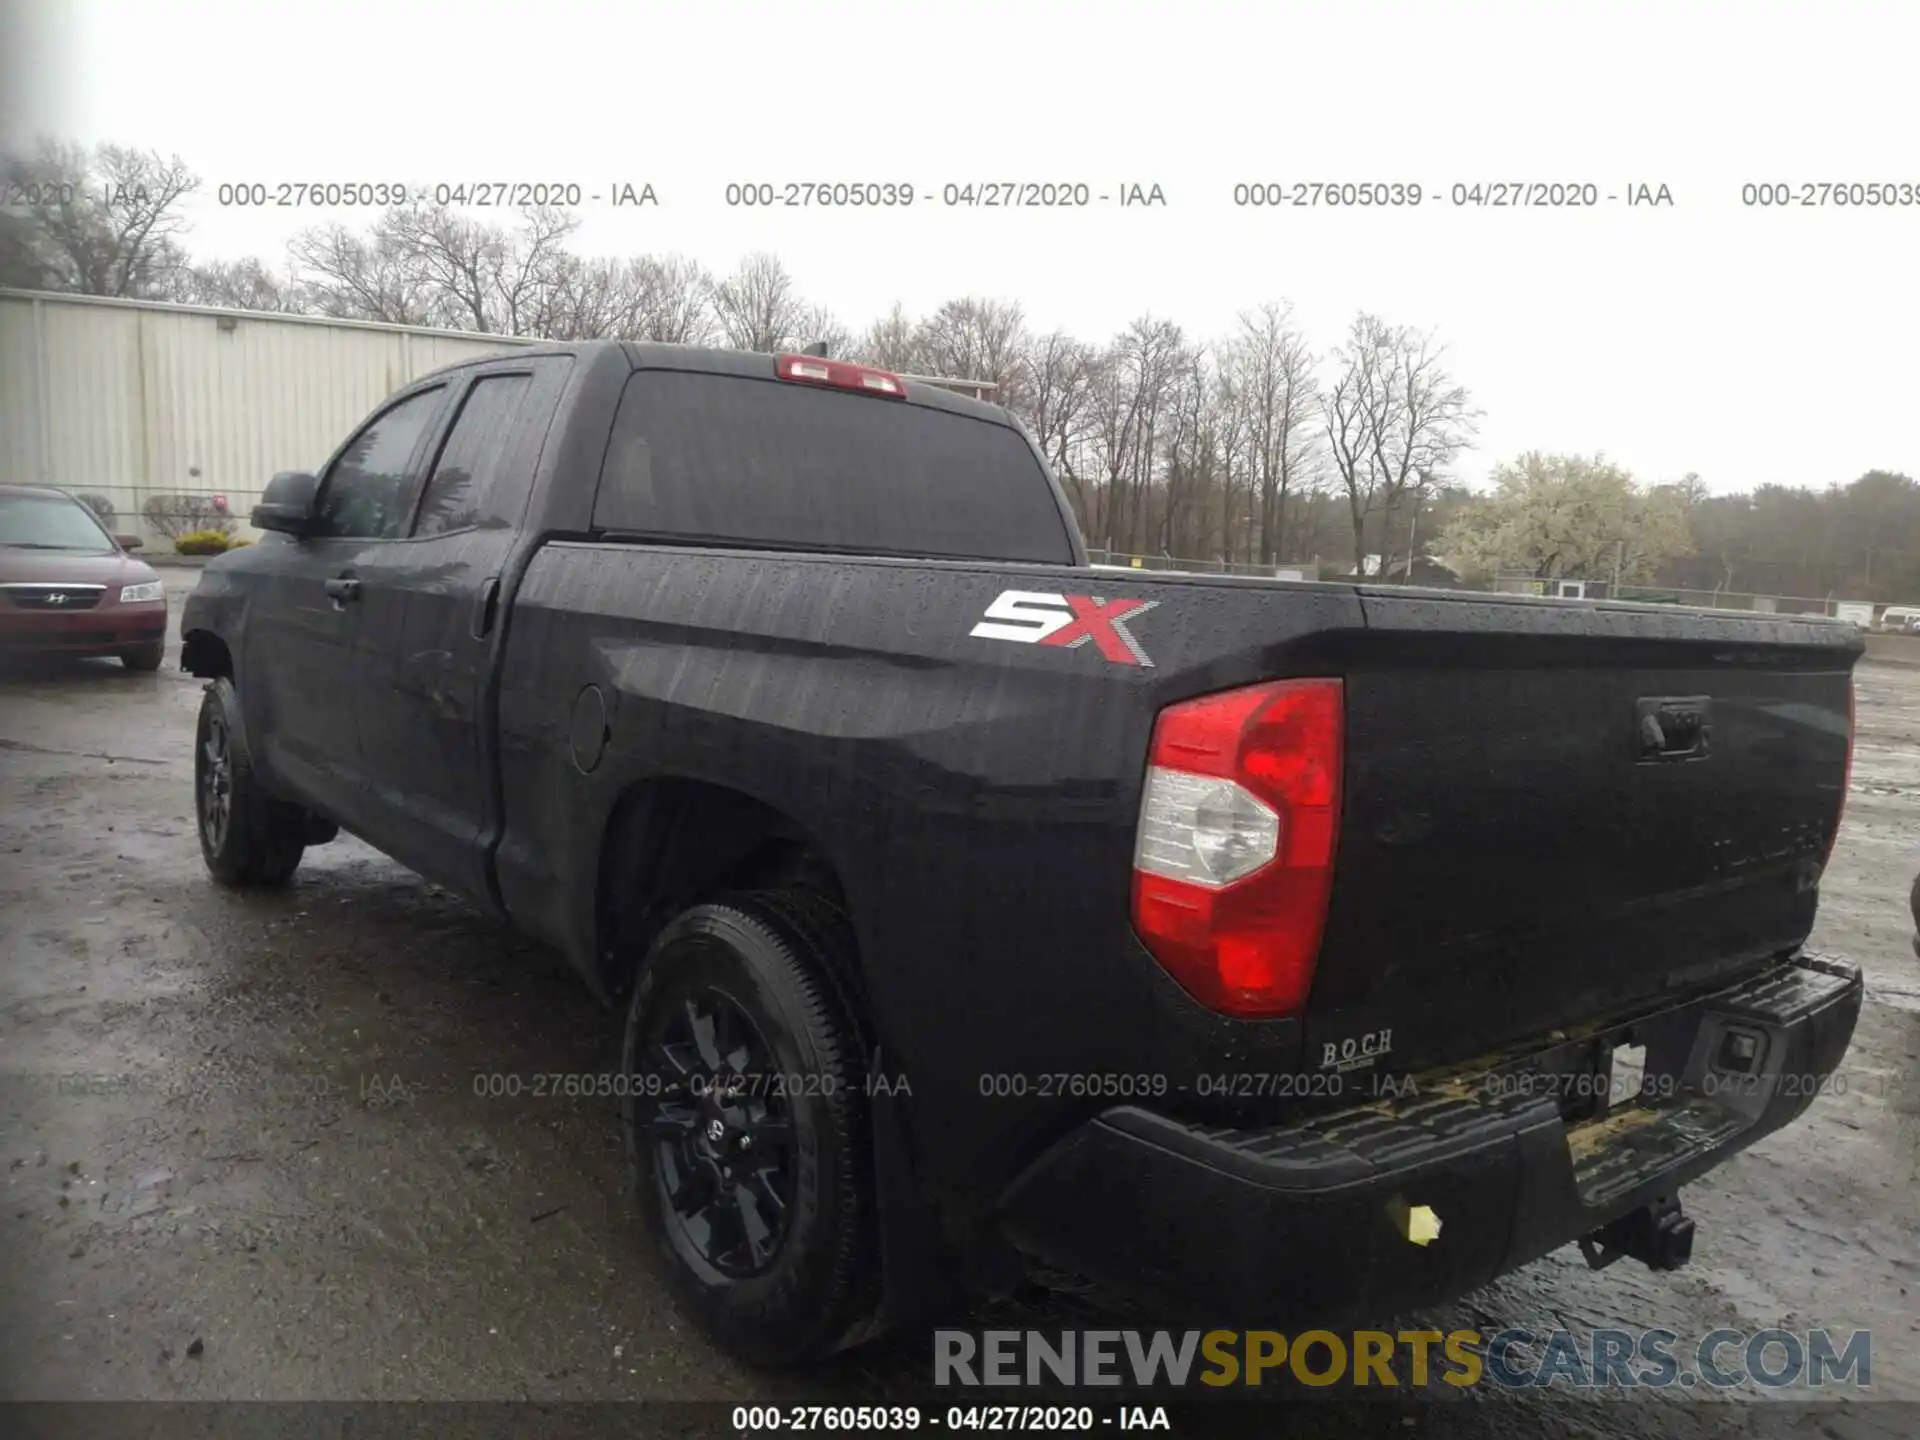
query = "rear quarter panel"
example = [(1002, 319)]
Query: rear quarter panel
[(976, 797)]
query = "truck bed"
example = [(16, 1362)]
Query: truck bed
[(1507, 862)]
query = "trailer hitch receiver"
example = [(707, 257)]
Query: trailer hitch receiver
[(1658, 1235)]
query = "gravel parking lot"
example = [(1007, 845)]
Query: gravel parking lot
[(243, 1156)]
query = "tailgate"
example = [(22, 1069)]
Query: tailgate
[(1558, 812)]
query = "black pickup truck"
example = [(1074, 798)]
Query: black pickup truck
[(1259, 949)]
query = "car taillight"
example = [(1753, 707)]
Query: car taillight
[(811, 370), (1233, 859)]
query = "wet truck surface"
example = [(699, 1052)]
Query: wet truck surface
[(1303, 950)]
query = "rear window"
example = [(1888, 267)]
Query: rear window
[(765, 462)]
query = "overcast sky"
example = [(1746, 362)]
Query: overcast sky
[(1750, 345)]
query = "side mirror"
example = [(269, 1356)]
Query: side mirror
[(128, 542), (287, 504)]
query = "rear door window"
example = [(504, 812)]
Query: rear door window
[(475, 454), (727, 459)]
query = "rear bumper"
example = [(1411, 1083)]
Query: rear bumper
[(102, 630), (1295, 1223)]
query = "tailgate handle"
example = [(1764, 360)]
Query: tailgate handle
[(1672, 727)]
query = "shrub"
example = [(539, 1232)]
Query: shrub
[(178, 515), (202, 542), (101, 506)]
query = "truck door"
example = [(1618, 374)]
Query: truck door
[(430, 612), (297, 665)]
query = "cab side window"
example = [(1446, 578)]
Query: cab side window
[(367, 488), (477, 452)]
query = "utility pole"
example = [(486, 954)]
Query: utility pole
[(1413, 526), (1619, 563)]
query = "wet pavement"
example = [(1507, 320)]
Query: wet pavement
[(246, 1153)]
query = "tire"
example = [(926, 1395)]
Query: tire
[(145, 658), (792, 1288), (249, 839)]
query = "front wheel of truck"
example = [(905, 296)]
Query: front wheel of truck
[(744, 1117), (248, 838)]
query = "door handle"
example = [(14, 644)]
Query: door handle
[(485, 606), (343, 589)]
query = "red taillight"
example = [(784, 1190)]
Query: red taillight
[(1233, 859), (839, 375)]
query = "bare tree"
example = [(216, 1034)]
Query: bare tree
[(481, 276), (100, 222), (1276, 386), (1352, 410), (23, 265), (526, 282), (1236, 473), (976, 339), (591, 299), (235, 284), (454, 257), (360, 277), (674, 304), (818, 326), (637, 298), (891, 343), (756, 306), (1394, 418), (1427, 420), (1134, 381), (1061, 372), (1192, 457)]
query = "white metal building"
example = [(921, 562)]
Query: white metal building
[(128, 398)]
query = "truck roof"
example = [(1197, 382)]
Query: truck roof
[(719, 360)]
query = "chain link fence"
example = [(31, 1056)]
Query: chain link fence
[(1862, 612), (1121, 560)]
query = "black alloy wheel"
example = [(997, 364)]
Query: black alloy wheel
[(247, 837), (723, 1151), (213, 777), (745, 1119)]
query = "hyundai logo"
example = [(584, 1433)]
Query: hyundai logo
[(56, 597)]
